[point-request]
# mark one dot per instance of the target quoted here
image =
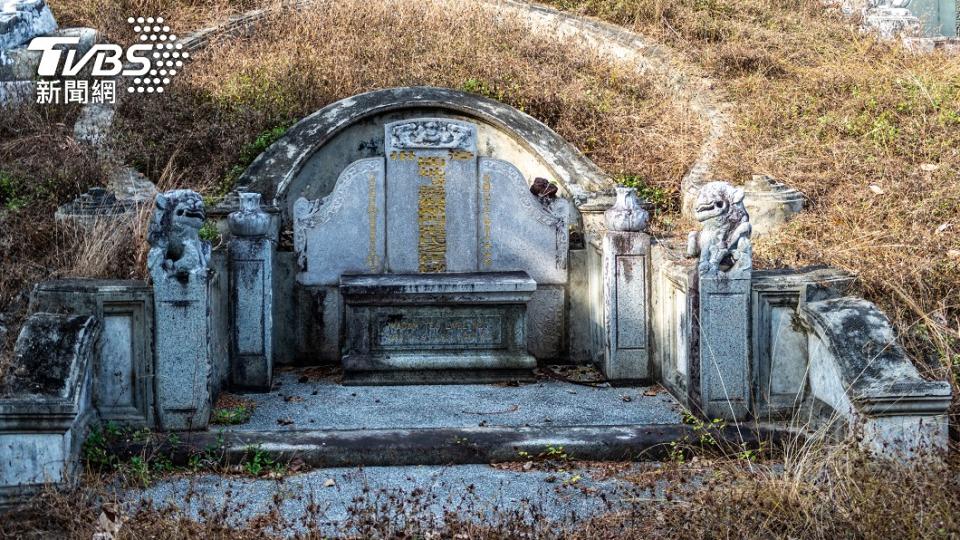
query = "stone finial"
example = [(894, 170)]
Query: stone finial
[(723, 244), (174, 235), (626, 215), (250, 220)]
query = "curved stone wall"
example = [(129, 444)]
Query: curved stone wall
[(308, 158)]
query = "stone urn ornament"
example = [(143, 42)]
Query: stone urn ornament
[(250, 220), (626, 215)]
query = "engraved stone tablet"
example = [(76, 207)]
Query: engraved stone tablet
[(345, 231), (517, 232), (432, 186)]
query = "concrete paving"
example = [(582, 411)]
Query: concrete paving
[(301, 403), (330, 500)]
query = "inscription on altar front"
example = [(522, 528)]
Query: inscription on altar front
[(470, 332)]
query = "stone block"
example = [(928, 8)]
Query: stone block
[(23, 20), (251, 275), (546, 321), (672, 320), (316, 325), (346, 231), (859, 370), (45, 404), (626, 301), (579, 320), (517, 231), (435, 323), (123, 363), (779, 342), (770, 203), (724, 345)]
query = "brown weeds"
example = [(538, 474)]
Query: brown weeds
[(297, 62), (868, 131)]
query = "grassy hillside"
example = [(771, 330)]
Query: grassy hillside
[(869, 131)]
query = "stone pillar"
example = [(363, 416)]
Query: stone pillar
[(251, 295), (724, 317), (626, 290), (724, 272), (178, 264)]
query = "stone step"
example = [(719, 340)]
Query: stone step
[(454, 446)]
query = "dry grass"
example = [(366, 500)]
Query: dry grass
[(296, 63), (183, 16), (833, 112)]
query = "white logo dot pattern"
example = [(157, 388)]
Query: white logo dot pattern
[(167, 54)]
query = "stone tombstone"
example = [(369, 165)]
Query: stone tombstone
[(432, 205), (251, 295), (519, 231), (178, 263), (724, 267), (344, 232), (432, 181)]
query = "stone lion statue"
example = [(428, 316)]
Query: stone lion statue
[(723, 245), (174, 235)]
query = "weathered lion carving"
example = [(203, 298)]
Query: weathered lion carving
[(174, 235), (723, 244)]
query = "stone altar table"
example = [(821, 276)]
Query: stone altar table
[(453, 327)]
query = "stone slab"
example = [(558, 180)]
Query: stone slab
[(579, 323), (779, 355), (546, 402), (516, 231), (346, 231), (672, 317), (473, 491), (432, 182), (546, 323), (626, 300), (251, 284), (469, 286), (123, 369)]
